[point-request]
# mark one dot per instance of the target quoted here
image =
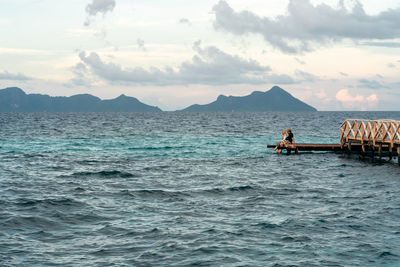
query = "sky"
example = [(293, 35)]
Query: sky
[(332, 54)]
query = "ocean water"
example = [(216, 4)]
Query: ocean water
[(191, 189)]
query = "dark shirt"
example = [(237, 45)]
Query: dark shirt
[(289, 138)]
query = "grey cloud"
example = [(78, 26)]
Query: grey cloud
[(299, 61), (140, 44), (185, 21), (305, 25), (396, 85), (382, 44), (209, 66), (391, 65), (80, 78), (5, 75), (343, 74), (371, 84), (306, 76), (279, 79), (102, 33), (98, 7)]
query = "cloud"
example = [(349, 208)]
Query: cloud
[(5, 75), (140, 44), (306, 26), (185, 21), (371, 84), (299, 61), (98, 7), (306, 76), (344, 96), (382, 44), (323, 96), (357, 101), (343, 74), (372, 98), (209, 66), (80, 72), (24, 51), (391, 65)]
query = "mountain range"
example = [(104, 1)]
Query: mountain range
[(14, 99), (276, 99)]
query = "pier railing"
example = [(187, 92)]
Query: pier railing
[(370, 132)]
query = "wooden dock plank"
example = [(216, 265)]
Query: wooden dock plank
[(331, 147), (313, 147)]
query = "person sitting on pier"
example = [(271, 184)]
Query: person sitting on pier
[(281, 143), (287, 142), (290, 137)]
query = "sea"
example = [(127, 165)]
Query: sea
[(191, 189)]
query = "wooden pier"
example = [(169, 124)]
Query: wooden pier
[(367, 137)]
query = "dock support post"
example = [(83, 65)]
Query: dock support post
[(380, 151), (362, 152), (398, 155), (372, 152), (349, 148), (296, 151)]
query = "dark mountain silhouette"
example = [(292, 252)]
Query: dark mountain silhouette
[(14, 99), (276, 99)]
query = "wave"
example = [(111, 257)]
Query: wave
[(63, 202), (105, 174), (29, 222), (387, 254), (159, 193), (81, 217), (155, 193), (157, 148), (241, 188)]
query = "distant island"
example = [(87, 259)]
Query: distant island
[(15, 99), (276, 99)]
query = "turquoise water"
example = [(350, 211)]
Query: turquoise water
[(182, 189)]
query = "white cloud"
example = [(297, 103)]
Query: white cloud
[(357, 101), (345, 97), (372, 98), (209, 66), (305, 26), (23, 51), (79, 32)]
